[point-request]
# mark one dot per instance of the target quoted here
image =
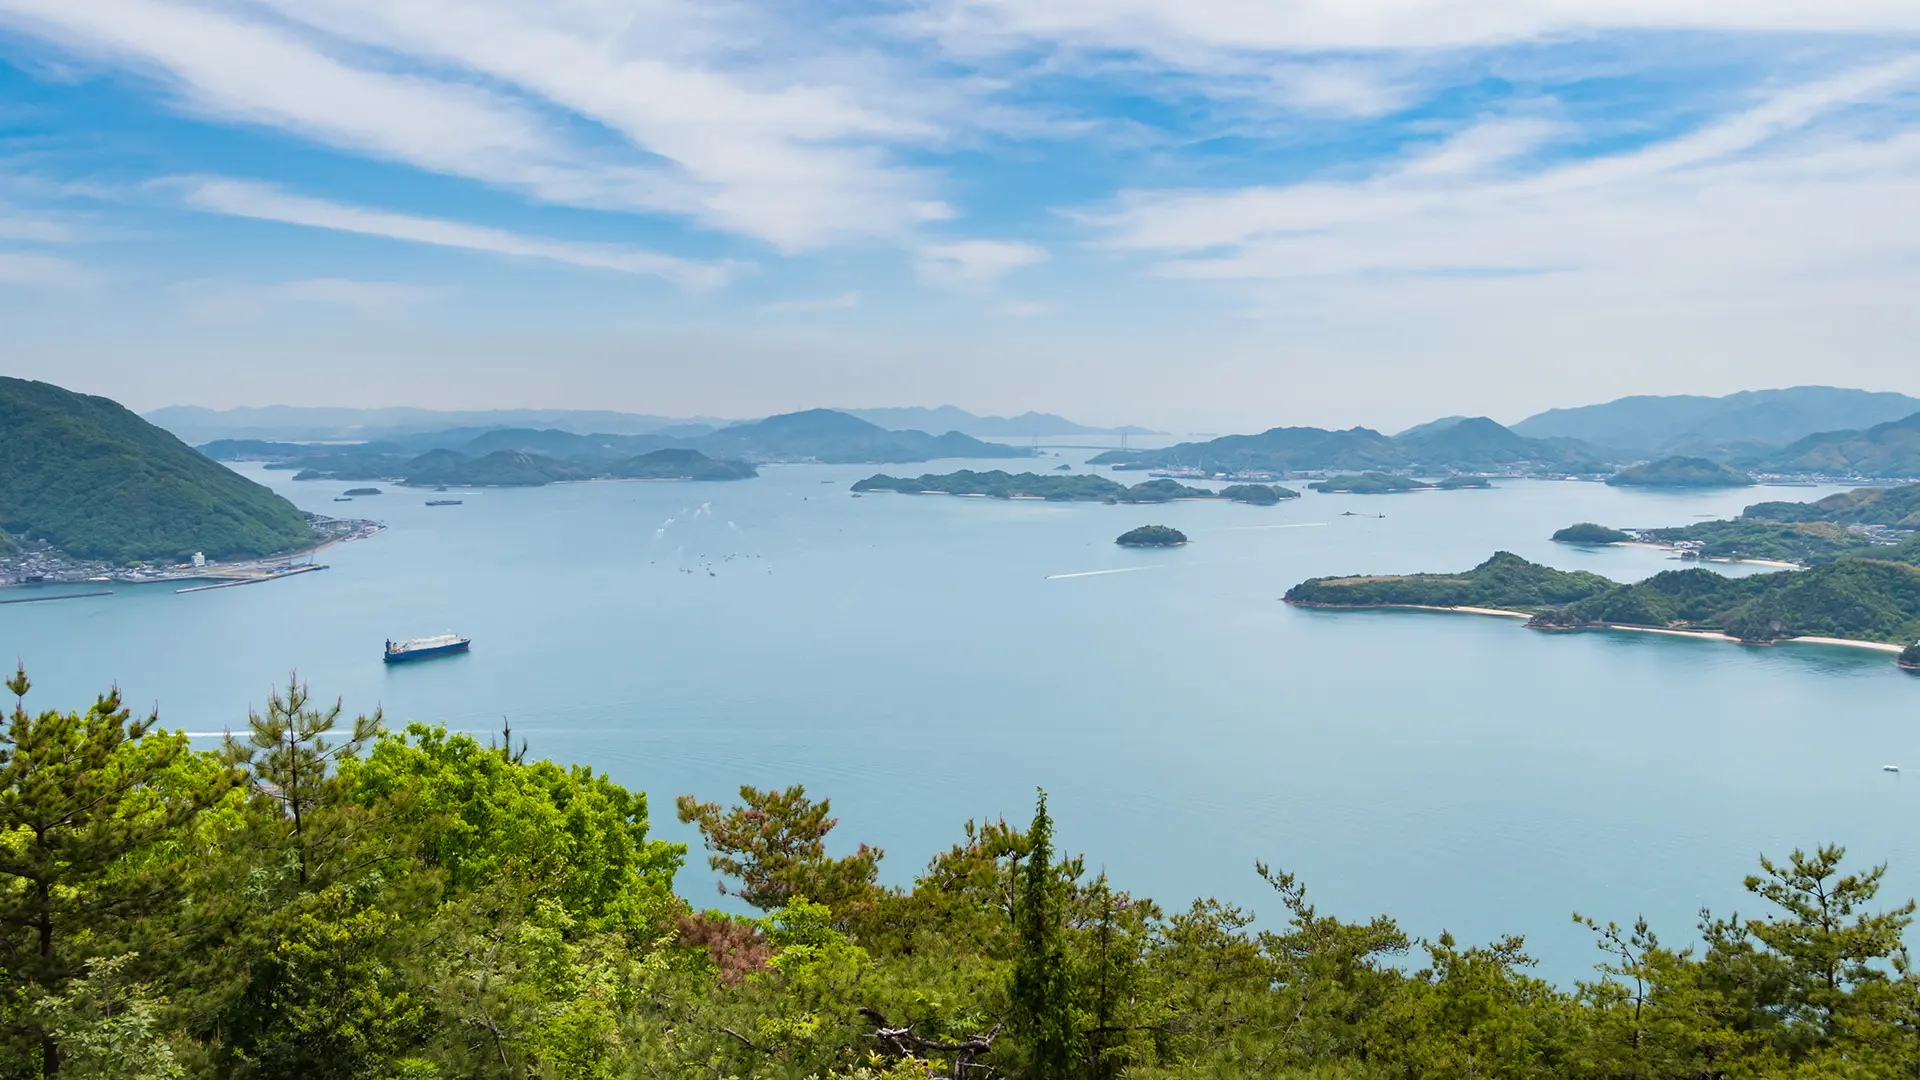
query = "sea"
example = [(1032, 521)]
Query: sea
[(925, 660)]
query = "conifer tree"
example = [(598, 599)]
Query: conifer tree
[(80, 795), (290, 761), (1042, 989)]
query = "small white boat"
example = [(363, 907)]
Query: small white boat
[(1890, 768)]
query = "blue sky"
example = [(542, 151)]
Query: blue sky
[(1198, 215)]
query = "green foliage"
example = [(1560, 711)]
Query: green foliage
[(482, 816), (85, 809), (1910, 656), (1586, 532), (1808, 543), (291, 764), (97, 482), (108, 1028), (1042, 991), (1505, 581), (774, 844), (1152, 536), (1864, 599), (1680, 472), (1896, 507)]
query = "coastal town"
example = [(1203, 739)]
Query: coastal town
[(36, 563)]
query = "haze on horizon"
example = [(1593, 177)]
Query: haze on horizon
[(1194, 217)]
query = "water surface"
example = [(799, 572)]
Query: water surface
[(923, 660)]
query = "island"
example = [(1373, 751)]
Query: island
[(1586, 532), (1870, 602), (1378, 483), (1152, 536), (361, 491), (1257, 494), (1680, 472), (1073, 487), (1910, 658)]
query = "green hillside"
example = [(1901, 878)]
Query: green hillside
[(97, 482), (1680, 472)]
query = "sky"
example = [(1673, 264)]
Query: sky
[(1204, 215)]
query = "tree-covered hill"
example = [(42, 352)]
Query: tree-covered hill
[(1859, 598), (1586, 532), (1891, 449), (95, 481), (1680, 472), (1505, 581), (1897, 507)]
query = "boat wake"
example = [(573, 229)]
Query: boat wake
[(1096, 573)]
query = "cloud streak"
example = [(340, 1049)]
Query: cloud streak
[(240, 198)]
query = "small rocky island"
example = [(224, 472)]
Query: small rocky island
[(361, 491), (1587, 532), (1910, 658), (1152, 536)]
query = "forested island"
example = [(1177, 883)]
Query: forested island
[(1077, 487), (1680, 472), (326, 898), (1152, 536), (1375, 483), (1871, 600), (92, 481), (1586, 532)]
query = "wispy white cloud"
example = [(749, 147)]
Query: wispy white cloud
[(35, 268), (974, 264), (232, 301), (1453, 209), (1176, 28), (241, 198), (846, 301), (496, 90), (1027, 309)]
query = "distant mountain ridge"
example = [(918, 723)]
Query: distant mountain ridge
[(1658, 425), (95, 481), (300, 423), (952, 418), (520, 456), (1471, 444)]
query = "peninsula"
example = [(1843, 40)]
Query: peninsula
[(1865, 601)]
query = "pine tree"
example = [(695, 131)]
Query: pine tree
[(81, 796), (1042, 990), (291, 762)]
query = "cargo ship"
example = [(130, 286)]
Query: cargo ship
[(443, 502), (422, 648)]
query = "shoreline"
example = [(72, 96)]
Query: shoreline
[(1705, 635)]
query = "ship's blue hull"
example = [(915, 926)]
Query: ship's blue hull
[(423, 654)]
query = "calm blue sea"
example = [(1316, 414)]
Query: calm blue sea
[(925, 660)]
